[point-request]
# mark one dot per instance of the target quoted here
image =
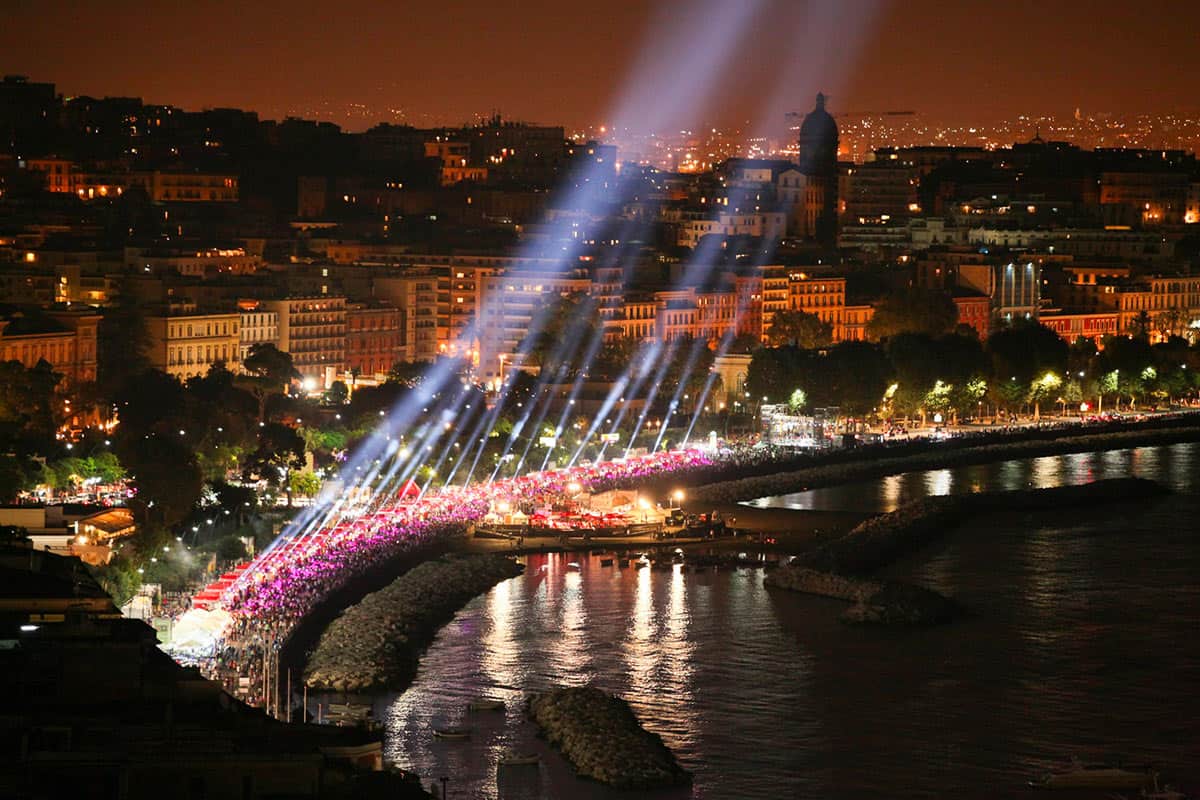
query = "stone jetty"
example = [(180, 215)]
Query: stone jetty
[(375, 643), (602, 738), (880, 540), (842, 568)]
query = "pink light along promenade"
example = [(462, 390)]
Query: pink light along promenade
[(258, 605)]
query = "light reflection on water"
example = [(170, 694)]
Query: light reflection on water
[(702, 657), (1081, 641), (888, 493)]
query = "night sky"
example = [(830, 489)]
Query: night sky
[(573, 63)]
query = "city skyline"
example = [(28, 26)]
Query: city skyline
[(423, 65)]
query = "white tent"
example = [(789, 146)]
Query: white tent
[(199, 629)]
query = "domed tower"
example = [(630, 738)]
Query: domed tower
[(816, 215), (818, 143)]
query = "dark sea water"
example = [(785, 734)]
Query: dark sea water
[(1083, 639)]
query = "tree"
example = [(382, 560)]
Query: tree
[(119, 578), (913, 311), (853, 377), (744, 344), (105, 466), (268, 371), (1172, 322), (304, 483), (231, 550), (337, 394), (280, 452), (799, 328), (773, 372), (917, 371), (1044, 389), (562, 326), (14, 478), (165, 475), (1140, 325), (122, 345), (1080, 355), (29, 411), (1019, 355), (614, 358), (407, 373), (687, 372), (1126, 359), (150, 401)]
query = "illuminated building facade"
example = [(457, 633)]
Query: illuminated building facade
[(69, 346), (372, 339), (313, 330), (187, 342), (824, 297), (974, 311), (1094, 325), (258, 326), (508, 305)]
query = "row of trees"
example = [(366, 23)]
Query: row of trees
[(1023, 367), (909, 311)]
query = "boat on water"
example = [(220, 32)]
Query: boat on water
[(452, 733), (1079, 775), (351, 715), (512, 759), (484, 704)]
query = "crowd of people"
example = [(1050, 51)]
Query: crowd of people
[(304, 566)]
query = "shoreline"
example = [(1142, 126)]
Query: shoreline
[(733, 492)]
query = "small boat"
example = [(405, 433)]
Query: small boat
[(452, 733), (511, 759), (606, 562), (485, 704), (1095, 776)]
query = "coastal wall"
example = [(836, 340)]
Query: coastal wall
[(750, 488), (841, 568), (601, 737), (375, 643)]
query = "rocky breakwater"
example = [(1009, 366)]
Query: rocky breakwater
[(842, 568), (872, 602), (602, 738), (375, 643)]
